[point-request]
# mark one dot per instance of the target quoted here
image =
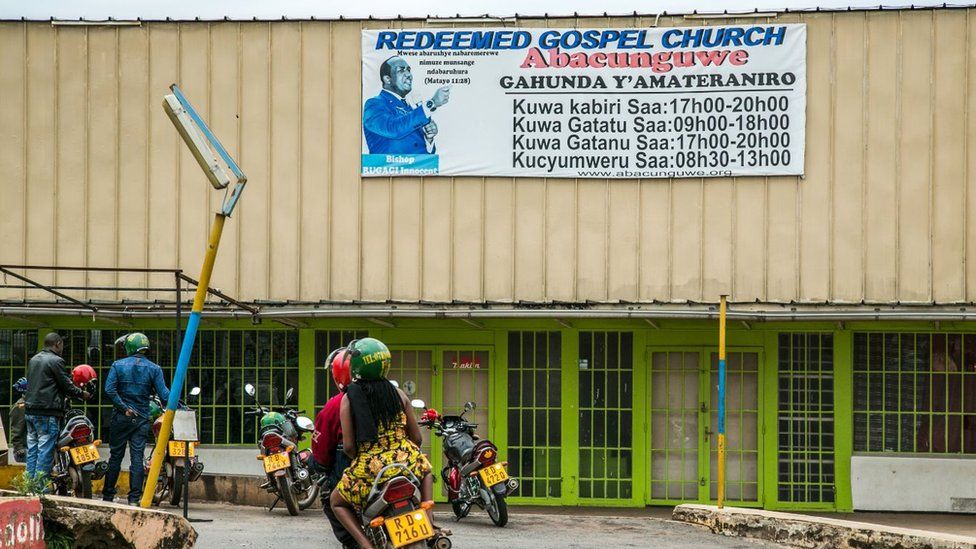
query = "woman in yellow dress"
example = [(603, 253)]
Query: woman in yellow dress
[(378, 429)]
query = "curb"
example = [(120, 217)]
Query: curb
[(814, 532)]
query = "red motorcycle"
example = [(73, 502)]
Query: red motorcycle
[(474, 476)]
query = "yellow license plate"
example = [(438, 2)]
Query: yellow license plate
[(409, 528), (494, 474), (177, 448), (84, 454), (276, 462)]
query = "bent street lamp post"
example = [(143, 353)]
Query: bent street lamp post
[(199, 139)]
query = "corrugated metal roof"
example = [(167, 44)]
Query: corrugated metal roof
[(106, 11)]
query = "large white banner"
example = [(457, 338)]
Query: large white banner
[(603, 103)]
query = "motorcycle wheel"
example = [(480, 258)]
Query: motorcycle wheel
[(81, 484), (461, 509), (310, 496), (497, 509), (287, 495), (162, 484), (176, 487)]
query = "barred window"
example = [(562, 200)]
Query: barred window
[(534, 406), (805, 418), (16, 349), (223, 361), (915, 393), (606, 372)]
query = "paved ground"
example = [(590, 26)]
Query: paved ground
[(254, 527)]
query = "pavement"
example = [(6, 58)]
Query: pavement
[(529, 527)]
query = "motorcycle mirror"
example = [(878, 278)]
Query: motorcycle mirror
[(304, 423), (249, 389), (195, 391), (418, 404), (468, 406), (288, 394)]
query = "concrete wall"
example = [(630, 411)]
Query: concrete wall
[(95, 175), (913, 484)]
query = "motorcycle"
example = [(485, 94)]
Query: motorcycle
[(76, 462), (394, 515), (290, 476), (179, 455), (473, 475)]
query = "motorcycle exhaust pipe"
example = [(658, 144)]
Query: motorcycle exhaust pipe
[(512, 485), (100, 469), (195, 471)]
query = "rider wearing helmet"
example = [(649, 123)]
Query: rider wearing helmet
[(18, 428), (378, 428), (327, 441), (130, 384)]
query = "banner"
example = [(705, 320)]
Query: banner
[(601, 103)]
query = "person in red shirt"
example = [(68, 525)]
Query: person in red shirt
[(327, 442)]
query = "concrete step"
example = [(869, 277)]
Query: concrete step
[(813, 532)]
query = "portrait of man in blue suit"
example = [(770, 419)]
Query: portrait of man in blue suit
[(391, 124)]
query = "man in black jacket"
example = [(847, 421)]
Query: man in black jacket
[(47, 386)]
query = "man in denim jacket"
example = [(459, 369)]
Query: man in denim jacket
[(130, 384)]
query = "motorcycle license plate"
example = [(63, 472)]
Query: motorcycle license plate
[(409, 528), (84, 454), (494, 474), (276, 462), (177, 448)]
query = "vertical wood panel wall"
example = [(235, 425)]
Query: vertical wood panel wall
[(93, 174)]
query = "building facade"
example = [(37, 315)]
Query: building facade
[(579, 314)]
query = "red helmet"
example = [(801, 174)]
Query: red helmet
[(430, 415), (82, 374), (338, 364)]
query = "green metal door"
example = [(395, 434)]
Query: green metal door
[(413, 370), (445, 377), (684, 461)]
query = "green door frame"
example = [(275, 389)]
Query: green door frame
[(704, 421), (436, 400)]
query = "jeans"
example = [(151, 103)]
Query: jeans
[(344, 537), (42, 435), (123, 431)]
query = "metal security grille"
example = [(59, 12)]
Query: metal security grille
[(16, 349), (915, 393), (805, 418), (534, 433), (223, 361), (675, 408), (327, 341), (606, 385), (742, 427)]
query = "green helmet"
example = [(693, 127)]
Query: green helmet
[(136, 343), (154, 410), (371, 359), (272, 419)]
